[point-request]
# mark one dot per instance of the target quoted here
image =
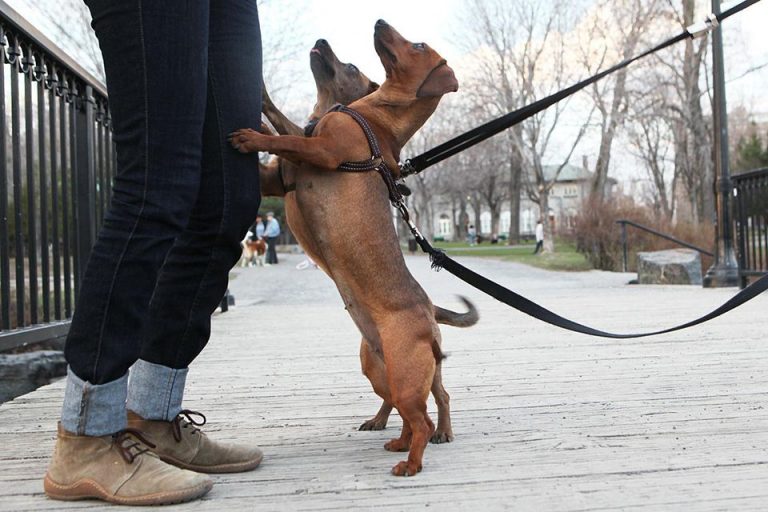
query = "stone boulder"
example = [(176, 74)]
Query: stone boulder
[(22, 373), (675, 266)]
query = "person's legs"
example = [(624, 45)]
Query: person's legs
[(194, 277), (271, 250), (155, 56)]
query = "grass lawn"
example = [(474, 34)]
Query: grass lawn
[(564, 258)]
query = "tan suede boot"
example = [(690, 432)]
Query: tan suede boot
[(118, 469), (181, 443)]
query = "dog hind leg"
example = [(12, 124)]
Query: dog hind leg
[(373, 368), (410, 371), (444, 432)]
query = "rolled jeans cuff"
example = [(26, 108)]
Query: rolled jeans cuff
[(94, 410), (155, 391)]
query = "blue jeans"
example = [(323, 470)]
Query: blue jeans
[(181, 75)]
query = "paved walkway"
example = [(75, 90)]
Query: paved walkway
[(544, 419)]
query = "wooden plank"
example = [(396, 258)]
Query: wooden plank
[(544, 419)]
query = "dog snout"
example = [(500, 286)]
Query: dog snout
[(381, 23), (321, 43)]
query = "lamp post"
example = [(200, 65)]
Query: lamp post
[(725, 270)]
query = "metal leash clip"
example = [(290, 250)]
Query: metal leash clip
[(703, 27), (406, 168)]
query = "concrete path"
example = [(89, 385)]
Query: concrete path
[(544, 419)]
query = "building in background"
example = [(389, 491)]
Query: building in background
[(565, 201)]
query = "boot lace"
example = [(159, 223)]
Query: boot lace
[(131, 443), (186, 420)]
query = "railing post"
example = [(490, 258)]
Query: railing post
[(85, 176), (624, 242), (725, 270)]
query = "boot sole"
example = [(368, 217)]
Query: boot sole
[(237, 467), (88, 489)]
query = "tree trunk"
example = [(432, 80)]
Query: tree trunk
[(515, 187), (477, 207), (549, 243), (463, 220)]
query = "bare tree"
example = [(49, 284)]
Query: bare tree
[(615, 31), (522, 58), (493, 33), (651, 138)]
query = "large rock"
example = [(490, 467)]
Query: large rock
[(675, 266), (22, 373)]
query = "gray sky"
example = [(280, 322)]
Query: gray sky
[(348, 26)]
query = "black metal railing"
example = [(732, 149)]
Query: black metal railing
[(751, 205), (624, 240), (57, 162)]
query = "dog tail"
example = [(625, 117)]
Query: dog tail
[(448, 317)]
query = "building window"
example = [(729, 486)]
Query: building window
[(444, 226), (505, 222), (485, 223)]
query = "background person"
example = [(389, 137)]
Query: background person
[(472, 234), (271, 232), (539, 237), (257, 229)]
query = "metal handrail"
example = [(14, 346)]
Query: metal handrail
[(625, 222), (16, 20), (57, 157), (751, 205)]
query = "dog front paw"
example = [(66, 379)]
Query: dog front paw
[(404, 468), (247, 140)]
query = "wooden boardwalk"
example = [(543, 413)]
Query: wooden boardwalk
[(544, 419)]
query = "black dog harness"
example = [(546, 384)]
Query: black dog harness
[(376, 162)]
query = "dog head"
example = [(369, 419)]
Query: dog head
[(414, 70), (337, 82)]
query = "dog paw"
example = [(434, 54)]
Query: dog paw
[(404, 468), (440, 437), (246, 140), (397, 445), (373, 424)]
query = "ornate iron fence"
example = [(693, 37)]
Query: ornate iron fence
[(57, 161), (751, 205)]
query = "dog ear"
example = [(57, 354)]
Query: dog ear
[(440, 80), (373, 87)]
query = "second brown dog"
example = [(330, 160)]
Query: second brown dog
[(360, 250)]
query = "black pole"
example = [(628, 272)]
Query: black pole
[(725, 270), (624, 243)]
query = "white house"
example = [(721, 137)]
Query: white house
[(565, 199)]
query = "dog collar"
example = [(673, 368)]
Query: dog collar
[(439, 65)]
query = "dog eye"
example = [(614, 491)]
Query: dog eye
[(352, 67), (419, 46)]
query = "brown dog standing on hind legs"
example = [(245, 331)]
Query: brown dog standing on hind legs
[(342, 83), (360, 250), (339, 82)]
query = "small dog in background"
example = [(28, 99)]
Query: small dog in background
[(254, 252)]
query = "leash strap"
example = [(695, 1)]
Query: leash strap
[(441, 260), (476, 135)]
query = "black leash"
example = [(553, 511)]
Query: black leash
[(476, 135), (441, 260)]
